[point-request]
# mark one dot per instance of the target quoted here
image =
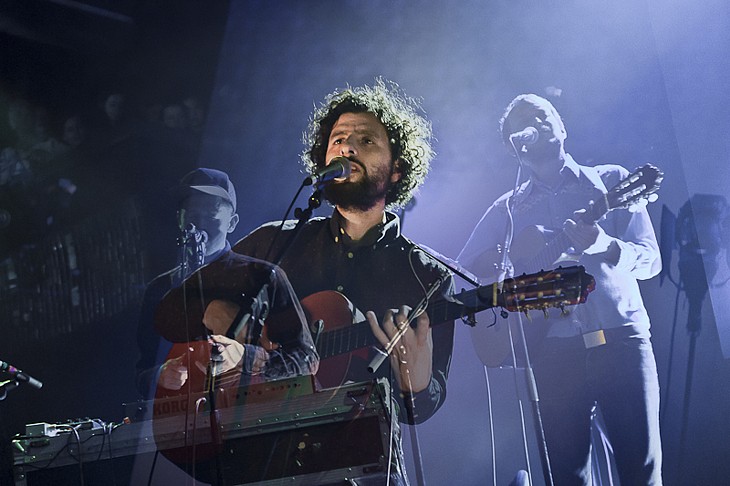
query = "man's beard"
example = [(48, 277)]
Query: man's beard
[(361, 195)]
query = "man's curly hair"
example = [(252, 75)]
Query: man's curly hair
[(408, 130)]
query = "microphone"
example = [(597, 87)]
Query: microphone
[(192, 243), (193, 236), (19, 375), (198, 236), (528, 136), (337, 170)]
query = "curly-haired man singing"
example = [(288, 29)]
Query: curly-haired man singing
[(360, 252)]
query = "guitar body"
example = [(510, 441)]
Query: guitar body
[(185, 431), (529, 243), (492, 341), (343, 340), (174, 410), (336, 312)]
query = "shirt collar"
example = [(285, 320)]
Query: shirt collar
[(569, 171), (570, 165), (388, 229), (214, 256)]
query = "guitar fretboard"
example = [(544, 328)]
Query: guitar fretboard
[(555, 288), (359, 335)]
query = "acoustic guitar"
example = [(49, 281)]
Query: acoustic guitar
[(344, 334), (535, 248), (340, 334)]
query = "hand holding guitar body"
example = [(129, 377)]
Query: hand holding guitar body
[(173, 373), (226, 354)]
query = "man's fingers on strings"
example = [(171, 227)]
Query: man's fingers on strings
[(402, 315), (375, 327), (389, 322), (400, 318)]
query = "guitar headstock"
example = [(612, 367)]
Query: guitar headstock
[(639, 186), (551, 288)]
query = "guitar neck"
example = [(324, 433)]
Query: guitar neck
[(553, 288), (359, 335)]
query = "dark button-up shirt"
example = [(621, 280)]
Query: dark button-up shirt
[(381, 271)]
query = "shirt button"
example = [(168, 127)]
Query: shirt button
[(350, 254), (340, 288)]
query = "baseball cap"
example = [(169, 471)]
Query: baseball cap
[(208, 181)]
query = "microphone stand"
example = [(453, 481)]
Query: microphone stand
[(529, 373), (215, 430), (303, 215), (338, 169), (193, 244)]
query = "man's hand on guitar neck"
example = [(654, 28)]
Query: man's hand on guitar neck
[(412, 355), (586, 237)]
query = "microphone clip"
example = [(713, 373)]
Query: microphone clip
[(315, 201), (193, 244)]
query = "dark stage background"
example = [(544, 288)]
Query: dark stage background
[(636, 82)]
